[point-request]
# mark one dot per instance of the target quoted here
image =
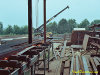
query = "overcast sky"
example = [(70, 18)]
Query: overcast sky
[(16, 11)]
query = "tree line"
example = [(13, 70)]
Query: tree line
[(13, 30), (63, 26), (66, 26)]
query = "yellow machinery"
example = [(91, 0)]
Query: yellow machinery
[(48, 34)]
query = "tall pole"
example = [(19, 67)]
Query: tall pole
[(29, 21), (44, 21)]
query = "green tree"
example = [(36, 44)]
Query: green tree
[(48, 27), (9, 30), (72, 24), (24, 30), (16, 29), (95, 22), (62, 26), (1, 28), (52, 27), (84, 24)]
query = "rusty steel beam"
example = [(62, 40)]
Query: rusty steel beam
[(29, 21), (44, 21)]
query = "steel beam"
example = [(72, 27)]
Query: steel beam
[(29, 21)]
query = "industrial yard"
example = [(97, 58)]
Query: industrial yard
[(66, 55), (65, 47)]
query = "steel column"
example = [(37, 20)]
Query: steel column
[(44, 21), (29, 21)]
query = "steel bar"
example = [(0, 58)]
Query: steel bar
[(29, 21), (77, 65), (96, 62), (98, 66), (98, 59), (93, 65), (72, 66), (81, 65), (85, 65)]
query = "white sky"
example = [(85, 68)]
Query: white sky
[(16, 11)]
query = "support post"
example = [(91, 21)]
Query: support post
[(29, 21), (52, 49), (32, 70), (98, 68), (44, 58), (44, 21), (48, 58)]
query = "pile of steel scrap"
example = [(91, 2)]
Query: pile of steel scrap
[(78, 35), (81, 65), (78, 64), (85, 59), (26, 61)]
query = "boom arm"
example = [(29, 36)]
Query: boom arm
[(41, 27)]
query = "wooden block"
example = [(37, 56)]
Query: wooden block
[(67, 64), (63, 50), (67, 67), (85, 42), (62, 68), (77, 46), (66, 71)]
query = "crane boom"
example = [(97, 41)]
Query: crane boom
[(41, 27)]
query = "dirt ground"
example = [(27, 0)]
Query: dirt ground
[(54, 67)]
